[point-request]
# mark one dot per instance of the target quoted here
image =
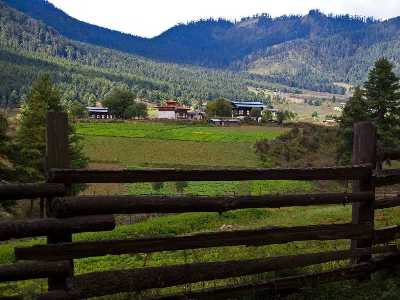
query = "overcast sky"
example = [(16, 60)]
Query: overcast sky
[(151, 17)]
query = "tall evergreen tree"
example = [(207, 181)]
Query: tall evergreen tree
[(379, 103), (382, 91), (354, 111), (31, 135)]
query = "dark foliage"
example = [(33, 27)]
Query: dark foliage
[(378, 102), (305, 145), (219, 108)]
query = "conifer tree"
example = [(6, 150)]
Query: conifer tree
[(382, 91), (44, 97), (379, 103), (354, 111)]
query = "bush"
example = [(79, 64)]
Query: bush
[(304, 145)]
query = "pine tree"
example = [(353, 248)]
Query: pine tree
[(382, 92), (354, 111), (31, 135), (44, 97), (378, 103)]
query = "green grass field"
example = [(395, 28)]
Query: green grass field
[(132, 152), (180, 132), (158, 145)]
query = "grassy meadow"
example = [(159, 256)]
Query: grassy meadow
[(180, 132), (138, 144)]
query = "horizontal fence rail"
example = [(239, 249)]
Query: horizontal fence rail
[(388, 202), (166, 175), (95, 205), (275, 286), (258, 237), (292, 283), (387, 177), (31, 191), (387, 234), (33, 270), (391, 154), (111, 282), (52, 226)]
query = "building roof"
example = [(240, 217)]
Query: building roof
[(97, 109), (248, 104)]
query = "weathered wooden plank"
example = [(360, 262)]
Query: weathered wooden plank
[(263, 236), (276, 286), (387, 177), (111, 282), (387, 202), (33, 270), (75, 206), (364, 152), (164, 175), (30, 191), (57, 156), (43, 227), (391, 154), (387, 234)]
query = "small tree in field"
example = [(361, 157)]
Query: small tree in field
[(219, 108), (118, 101), (267, 116), (284, 116), (136, 110)]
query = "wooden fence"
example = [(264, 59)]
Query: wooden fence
[(370, 249)]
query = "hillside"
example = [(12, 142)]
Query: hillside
[(311, 51), (85, 72)]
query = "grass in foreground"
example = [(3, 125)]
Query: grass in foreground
[(170, 225)]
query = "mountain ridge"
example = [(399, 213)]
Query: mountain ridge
[(86, 72), (312, 51)]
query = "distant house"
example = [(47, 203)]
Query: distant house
[(244, 108), (99, 113), (171, 110)]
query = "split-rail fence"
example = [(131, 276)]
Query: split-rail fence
[(371, 249)]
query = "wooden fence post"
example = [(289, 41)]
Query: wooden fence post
[(364, 152), (57, 157)]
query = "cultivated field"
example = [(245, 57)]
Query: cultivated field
[(180, 132)]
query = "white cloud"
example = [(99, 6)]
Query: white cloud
[(151, 17)]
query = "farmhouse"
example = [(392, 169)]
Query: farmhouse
[(99, 113), (244, 108), (172, 110)]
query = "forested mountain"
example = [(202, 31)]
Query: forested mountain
[(29, 48), (311, 51)]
